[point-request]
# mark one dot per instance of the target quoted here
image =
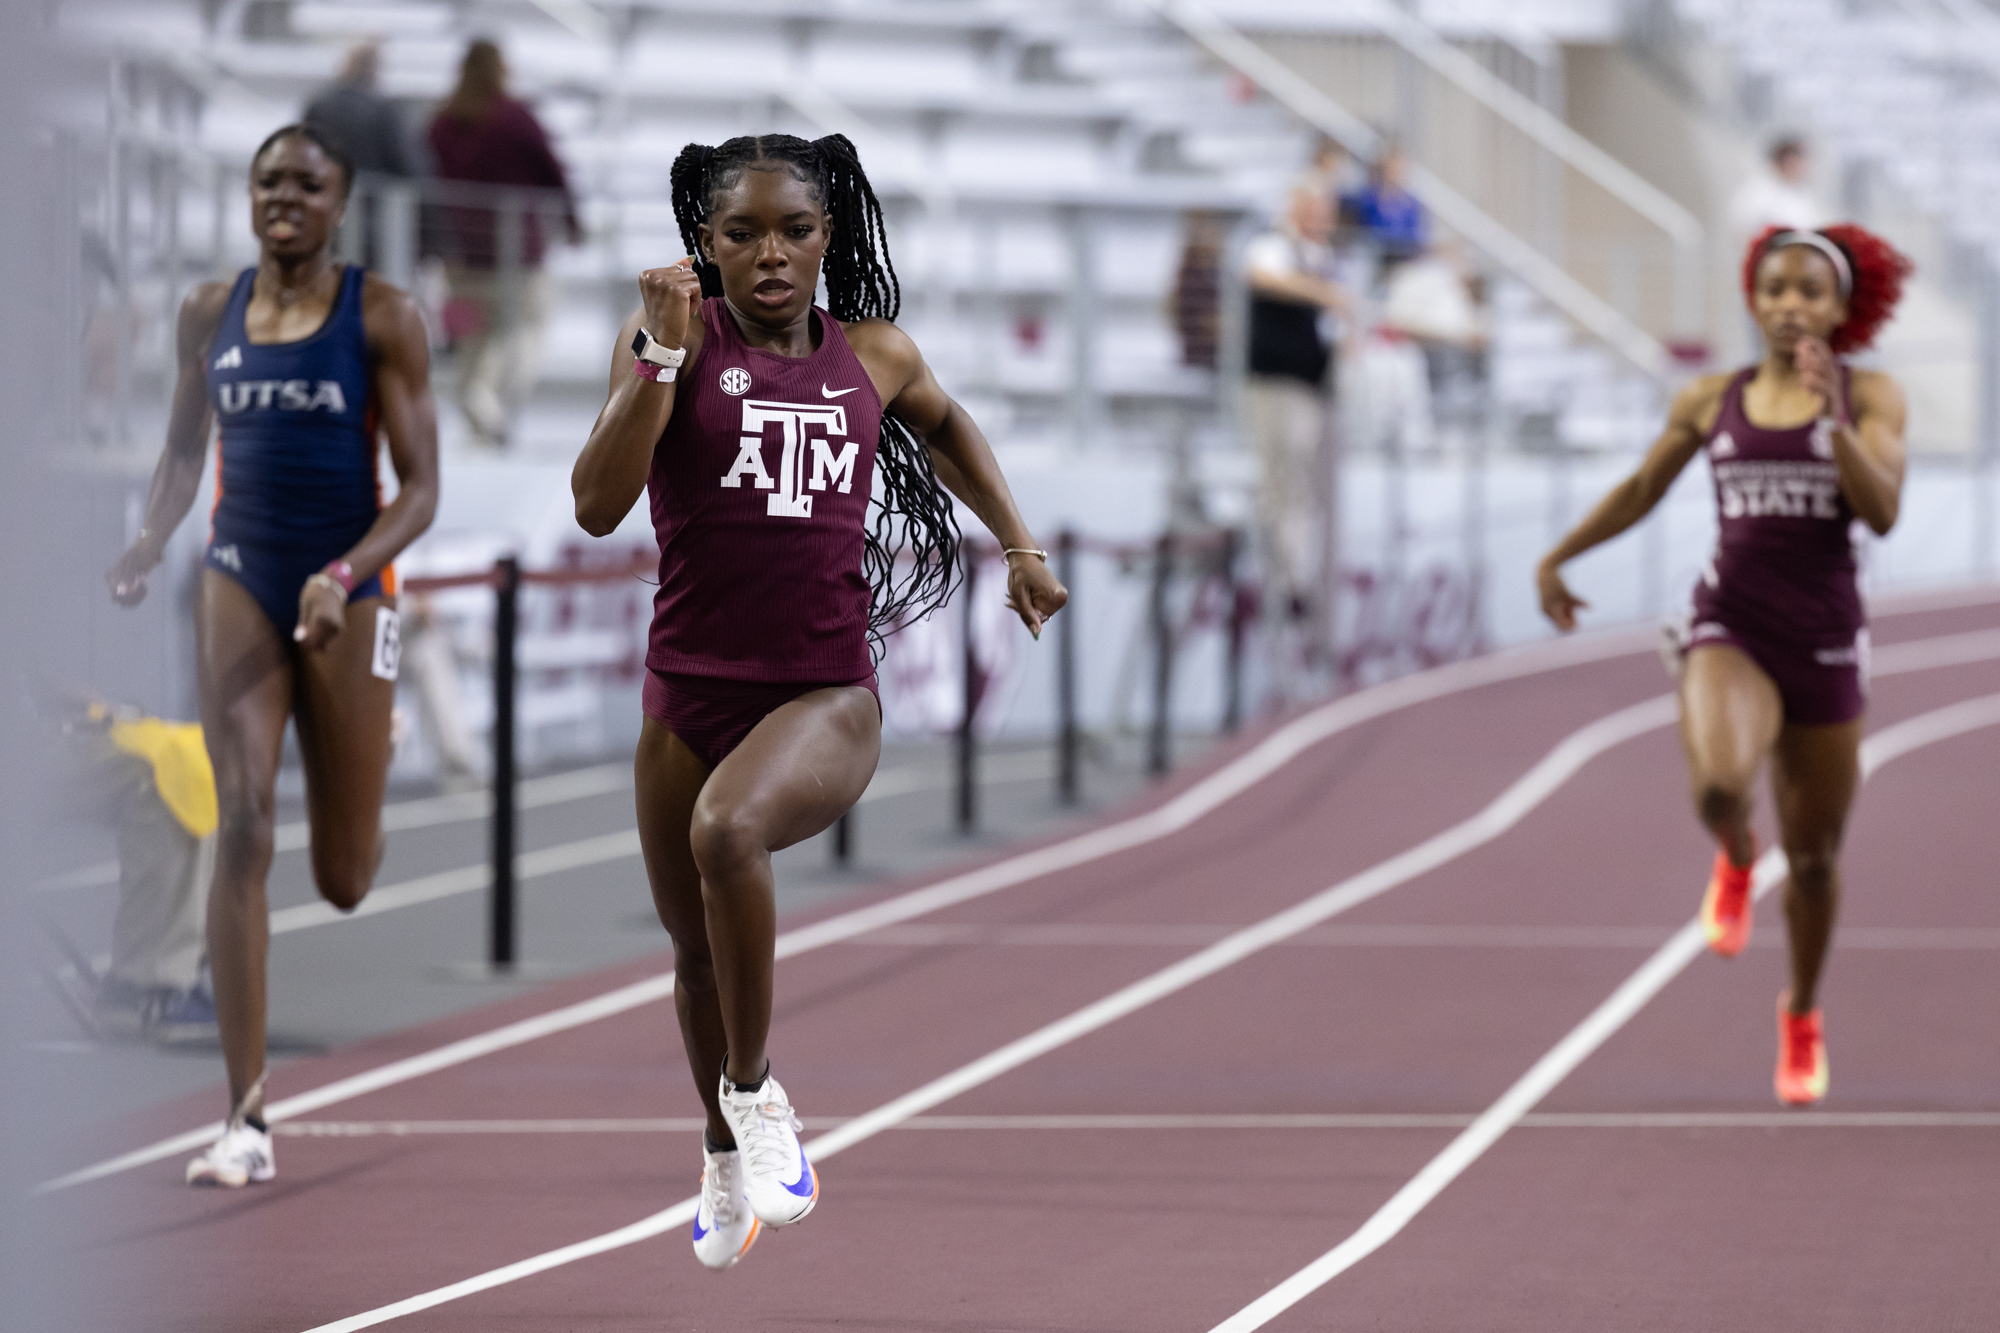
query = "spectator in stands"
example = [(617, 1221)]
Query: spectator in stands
[(1333, 171), (362, 121), (1387, 211), (1779, 198), (1198, 290), (500, 293), (368, 128), (1293, 305)]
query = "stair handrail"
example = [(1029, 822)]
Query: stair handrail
[(1540, 124), (1550, 280)]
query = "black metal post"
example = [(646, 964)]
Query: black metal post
[(843, 839), (1232, 666), (968, 742), (1159, 757), (506, 624), (1066, 741)]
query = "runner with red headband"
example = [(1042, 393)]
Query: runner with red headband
[(1774, 660)]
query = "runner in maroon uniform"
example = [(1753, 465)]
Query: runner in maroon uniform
[(1775, 658), (761, 426)]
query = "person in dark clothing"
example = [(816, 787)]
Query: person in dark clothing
[(483, 137), (1292, 301), (362, 121), (368, 128)]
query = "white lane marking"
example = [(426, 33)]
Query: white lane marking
[(424, 812), (1229, 781), (554, 860), (1070, 1124), (1582, 1041), (1113, 935), (535, 793), (1528, 791)]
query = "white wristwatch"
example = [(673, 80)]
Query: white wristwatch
[(662, 362)]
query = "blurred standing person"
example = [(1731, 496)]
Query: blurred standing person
[(1292, 305), (367, 127), (1198, 289), (364, 123), (1780, 197), (484, 137)]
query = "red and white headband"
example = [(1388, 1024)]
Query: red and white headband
[(1843, 270)]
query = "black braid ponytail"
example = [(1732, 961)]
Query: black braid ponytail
[(912, 521)]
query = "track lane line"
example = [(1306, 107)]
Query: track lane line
[(1065, 1124), (1218, 788), (1231, 780), (1527, 792), (1637, 990)]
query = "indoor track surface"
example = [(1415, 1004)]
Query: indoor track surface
[(1388, 1017)]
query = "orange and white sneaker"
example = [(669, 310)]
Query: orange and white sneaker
[(1726, 908), (1802, 1067)]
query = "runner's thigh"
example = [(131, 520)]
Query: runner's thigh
[(1815, 771), (343, 716), (1730, 713), (800, 769), (667, 778), (245, 684)]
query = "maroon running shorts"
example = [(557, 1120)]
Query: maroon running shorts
[(712, 715), (1818, 686)]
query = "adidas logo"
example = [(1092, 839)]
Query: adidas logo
[(1723, 447), (230, 360)]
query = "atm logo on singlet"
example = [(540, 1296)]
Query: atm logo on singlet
[(285, 395), (809, 435), (1764, 489)]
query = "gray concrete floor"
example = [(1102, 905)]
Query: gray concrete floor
[(351, 979)]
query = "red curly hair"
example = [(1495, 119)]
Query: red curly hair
[(1879, 272)]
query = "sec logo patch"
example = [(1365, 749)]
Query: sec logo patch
[(736, 380)]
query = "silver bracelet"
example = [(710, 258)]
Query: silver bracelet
[(322, 577), (1025, 550)]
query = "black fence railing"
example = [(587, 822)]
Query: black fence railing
[(1213, 554)]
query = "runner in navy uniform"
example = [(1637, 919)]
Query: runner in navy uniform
[(1775, 658), (761, 425), (304, 361)]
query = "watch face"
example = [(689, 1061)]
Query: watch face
[(639, 343)]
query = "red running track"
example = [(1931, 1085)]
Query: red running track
[(1656, 1187)]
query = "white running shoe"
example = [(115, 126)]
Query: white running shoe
[(240, 1156), (724, 1226), (243, 1153), (781, 1184)]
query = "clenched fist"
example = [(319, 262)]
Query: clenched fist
[(671, 296)]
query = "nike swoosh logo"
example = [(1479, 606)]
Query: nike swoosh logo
[(832, 393), (804, 1189)]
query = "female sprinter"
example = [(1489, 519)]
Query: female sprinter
[(759, 424), (1775, 659), (303, 359)]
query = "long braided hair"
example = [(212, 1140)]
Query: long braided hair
[(912, 522)]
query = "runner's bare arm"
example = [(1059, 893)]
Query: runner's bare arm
[(1688, 422), (189, 423), (399, 355), (610, 473), (962, 457), (1868, 436)]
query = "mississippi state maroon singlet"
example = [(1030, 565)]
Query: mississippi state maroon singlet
[(1783, 584), (759, 492)]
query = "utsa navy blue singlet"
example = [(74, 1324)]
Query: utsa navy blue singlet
[(295, 480)]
